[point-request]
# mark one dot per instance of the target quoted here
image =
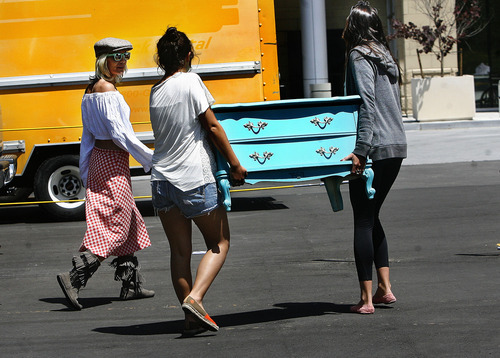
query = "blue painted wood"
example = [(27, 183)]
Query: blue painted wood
[(255, 126), (300, 152), (292, 140)]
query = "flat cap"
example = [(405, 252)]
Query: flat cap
[(111, 45)]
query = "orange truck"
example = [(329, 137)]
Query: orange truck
[(47, 57)]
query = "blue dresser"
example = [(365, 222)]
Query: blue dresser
[(292, 140)]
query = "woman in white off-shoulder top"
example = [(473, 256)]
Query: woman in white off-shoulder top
[(115, 226)]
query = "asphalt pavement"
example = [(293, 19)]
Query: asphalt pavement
[(290, 278)]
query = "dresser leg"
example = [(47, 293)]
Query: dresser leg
[(332, 185), (223, 184), (222, 179), (368, 177)]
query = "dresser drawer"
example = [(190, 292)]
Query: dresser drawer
[(287, 119), (299, 153), (261, 128)]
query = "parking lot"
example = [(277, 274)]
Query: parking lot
[(290, 278)]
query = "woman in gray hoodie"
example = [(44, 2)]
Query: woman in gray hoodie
[(372, 73)]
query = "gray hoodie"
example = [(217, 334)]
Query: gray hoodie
[(373, 75)]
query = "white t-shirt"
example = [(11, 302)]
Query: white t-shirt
[(182, 153), (106, 115)]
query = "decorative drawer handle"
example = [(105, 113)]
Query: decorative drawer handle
[(322, 151), (266, 155), (251, 127), (321, 123)]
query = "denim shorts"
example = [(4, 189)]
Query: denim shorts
[(191, 203)]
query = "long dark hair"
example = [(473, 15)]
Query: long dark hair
[(172, 49), (364, 27)]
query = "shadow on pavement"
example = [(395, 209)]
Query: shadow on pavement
[(256, 203), (282, 311), (33, 214), (85, 302)]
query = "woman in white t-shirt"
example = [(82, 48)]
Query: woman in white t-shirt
[(115, 226), (183, 183)]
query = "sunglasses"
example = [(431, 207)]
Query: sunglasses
[(120, 56)]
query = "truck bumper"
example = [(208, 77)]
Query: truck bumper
[(8, 168)]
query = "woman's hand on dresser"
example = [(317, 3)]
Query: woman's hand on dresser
[(238, 174), (358, 163)]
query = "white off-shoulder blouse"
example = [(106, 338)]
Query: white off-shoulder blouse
[(105, 116)]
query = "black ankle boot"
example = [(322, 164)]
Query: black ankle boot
[(127, 271)]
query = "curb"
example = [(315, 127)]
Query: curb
[(481, 120)]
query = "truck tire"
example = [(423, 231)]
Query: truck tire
[(58, 178)]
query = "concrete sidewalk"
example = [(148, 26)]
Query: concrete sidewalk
[(453, 141), (481, 119)]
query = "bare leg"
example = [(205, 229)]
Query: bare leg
[(178, 230), (384, 284), (215, 230), (365, 304), (366, 293)]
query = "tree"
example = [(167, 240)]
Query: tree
[(446, 29)]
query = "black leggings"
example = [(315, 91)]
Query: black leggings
[(370, 244)]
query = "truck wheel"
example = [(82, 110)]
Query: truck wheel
[(58, 179)]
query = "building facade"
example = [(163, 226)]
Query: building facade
[(289, 28)]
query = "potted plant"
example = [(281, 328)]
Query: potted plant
[(442, 98)]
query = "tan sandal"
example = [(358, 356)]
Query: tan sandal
[(191, 306), (192, 327)]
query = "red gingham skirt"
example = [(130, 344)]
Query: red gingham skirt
[(115, 226)]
